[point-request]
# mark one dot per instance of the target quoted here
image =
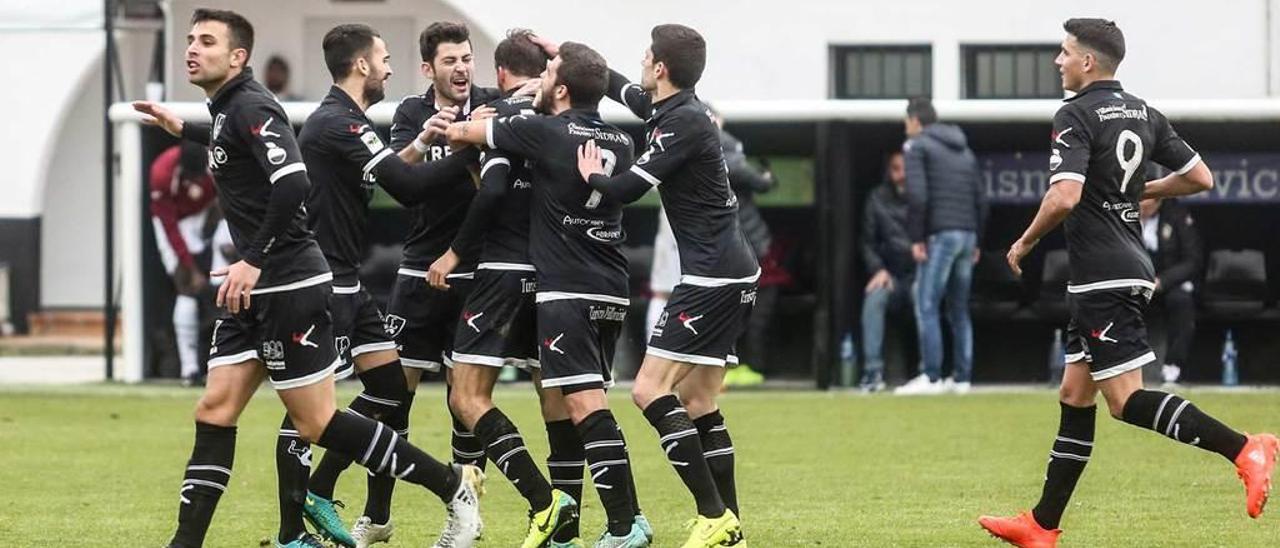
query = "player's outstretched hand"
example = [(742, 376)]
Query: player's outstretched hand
[(589, 160), (234, 292), (156, 115), (550, 47), (1016, 252), (483, 113), (438, 274), (436, 125)]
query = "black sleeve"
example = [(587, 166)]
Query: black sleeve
[(195, 132), (868, 236), (630, 95), (1171, 151), (1070, 145), (412, 184), (520, 135), (266, 130), (494, 182), (1190, 247), (403, 128), (672, 145)]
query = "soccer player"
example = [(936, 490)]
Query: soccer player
[(420, 317), (276, 324), (683, 368), (497, 326), (575, 241), (1102, 139), (346, 159)]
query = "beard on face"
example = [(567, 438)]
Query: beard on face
[(375, 90), (544, 101)]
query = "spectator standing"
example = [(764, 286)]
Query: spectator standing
[(947, 208), (276, 78), (886, 253), (182, 194), (1171, 237)]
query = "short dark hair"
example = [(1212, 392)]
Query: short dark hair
[(682, 50), (277, 61), (921, 108), (343, 45), (441, 32), (1101, 36), (239, 28), (519, 55), (584, 72)]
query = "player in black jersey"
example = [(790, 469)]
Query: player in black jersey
[(1102, 139), (421, 318), (497, 326), (683, 369), (277, 322), (575, 240), (347, 158)]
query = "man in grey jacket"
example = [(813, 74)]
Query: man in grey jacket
[(946, 212)]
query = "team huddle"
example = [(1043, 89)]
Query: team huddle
[(515, 260)]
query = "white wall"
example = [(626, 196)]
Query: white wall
[(293, 28)]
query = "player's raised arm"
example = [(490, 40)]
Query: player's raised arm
[(630, 94)]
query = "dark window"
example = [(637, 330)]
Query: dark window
[(1011, 72), (881, 72)]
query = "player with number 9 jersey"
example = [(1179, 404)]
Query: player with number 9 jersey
[(1104, 137)]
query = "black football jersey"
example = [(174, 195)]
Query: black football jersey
[(436, 220), (1104, 137), (251, 146), (577, 232), (497, 225), (341, 149), (685, 162)]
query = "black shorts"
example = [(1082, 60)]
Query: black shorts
[(1107, 330), (421, 318), (701, 325), (578, 337), (358, 327), (290, 332), (497, 326)]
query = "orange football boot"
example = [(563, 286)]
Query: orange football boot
[(1021, 530), (1254, 465)]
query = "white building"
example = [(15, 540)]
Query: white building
[(51, 210)]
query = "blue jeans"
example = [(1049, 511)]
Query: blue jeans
[(875, 307), (948, 272)]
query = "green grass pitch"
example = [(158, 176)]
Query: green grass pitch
[(100, 466)]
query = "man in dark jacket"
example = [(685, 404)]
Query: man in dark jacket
[(886, 252), (947, 209), (1177, 253)]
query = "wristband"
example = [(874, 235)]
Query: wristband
[(421, 148)]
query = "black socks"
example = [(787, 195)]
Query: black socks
[(679, 439), (207, 476), (717, 449), (607, 457), (1071, 451), (383, 451), (1182, 421), (505, 447), (564, 465), (293, 465)]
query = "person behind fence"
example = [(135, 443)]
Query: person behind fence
[(947, 206), (1177, 252), (182, 195), (886, 253)]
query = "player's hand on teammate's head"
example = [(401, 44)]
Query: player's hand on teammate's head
[(589, 160), (156, 115), (550, 47), (529, 88), (241, 277)]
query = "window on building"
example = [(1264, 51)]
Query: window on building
[(1011, 72), (881, 72)]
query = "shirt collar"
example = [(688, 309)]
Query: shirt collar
[(341, 96), (681, 97), (219, 98), (1099, 85), (430, 95)]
